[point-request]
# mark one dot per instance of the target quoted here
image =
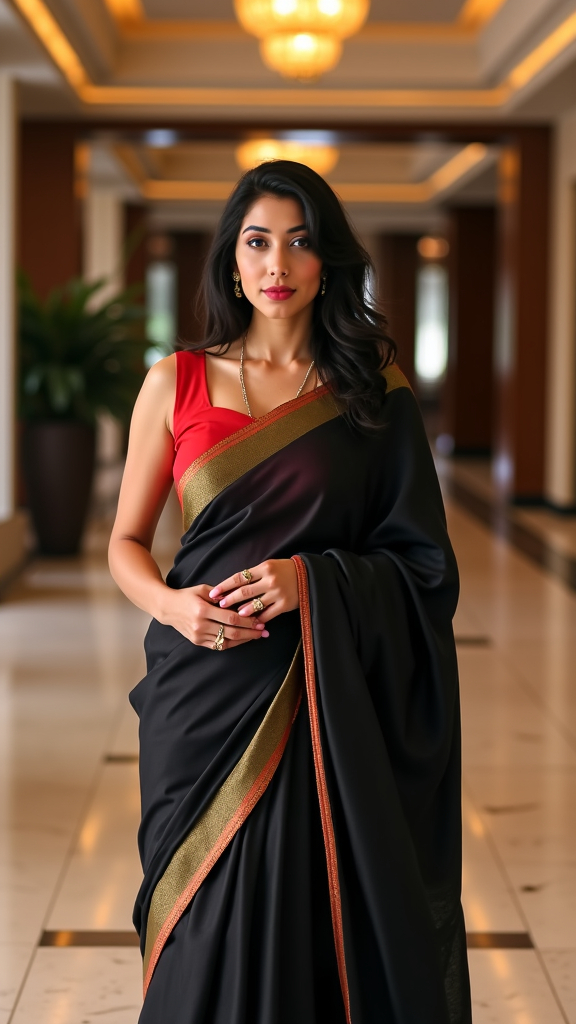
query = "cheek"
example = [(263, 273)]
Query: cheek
[(310, 269)]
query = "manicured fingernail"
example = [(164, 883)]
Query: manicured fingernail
[(259, 625), (244, 611), (214, 592), (265, 632), (222, 602)]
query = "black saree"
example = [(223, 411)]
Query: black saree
[(301, 830)]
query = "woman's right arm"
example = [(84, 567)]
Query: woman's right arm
[(145, 487)]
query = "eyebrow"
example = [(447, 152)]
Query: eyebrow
[(290, 231)]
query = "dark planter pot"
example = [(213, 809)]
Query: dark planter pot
[(58, 464)]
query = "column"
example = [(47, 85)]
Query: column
[(520, 353), (467, 398), (49, 212), (103, 239), (11, 525), (397, 267), (103, 245), (560, 480), (190, 251)]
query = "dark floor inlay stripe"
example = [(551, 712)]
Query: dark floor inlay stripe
[(499, 940), (63, 939), (473, 641), (121, 758)]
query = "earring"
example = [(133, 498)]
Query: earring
[(324, 276), (237, 289)]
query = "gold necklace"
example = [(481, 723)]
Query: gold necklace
[(243, 386)]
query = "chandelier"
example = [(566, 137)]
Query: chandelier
[(320, 157), (301, 38)]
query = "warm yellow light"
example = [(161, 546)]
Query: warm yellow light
[(320, 158), (544, 53), (477, 13), (432, 248), (340, 18), (305, 56), (126, 10), (50, 33), (459, 165)]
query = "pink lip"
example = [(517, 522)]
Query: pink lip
[(279, 294)]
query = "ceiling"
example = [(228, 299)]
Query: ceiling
[(406, 11), (189, 59)]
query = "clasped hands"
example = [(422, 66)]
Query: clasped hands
[(198, 612)]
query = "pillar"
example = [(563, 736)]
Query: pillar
[(190, 250), (467, 399), (103, 239), (135, 232), (11, 524), (560, 480), (397, 268), (520, 353), (49, 212)]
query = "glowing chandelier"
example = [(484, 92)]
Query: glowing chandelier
[(301, 38), (320, 157)]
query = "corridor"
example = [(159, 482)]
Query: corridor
[(71, 649)]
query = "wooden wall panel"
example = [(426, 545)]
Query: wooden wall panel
[(396, 268), (521, 319), (190, 250), (467, 399), (49, 238)]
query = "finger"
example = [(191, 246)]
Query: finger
[(270, 611), (229, 618), (238, 632), (233, 582), (244, 593)]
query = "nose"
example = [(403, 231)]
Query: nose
[(277, 266)]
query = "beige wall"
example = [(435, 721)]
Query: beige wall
[(561, 403)]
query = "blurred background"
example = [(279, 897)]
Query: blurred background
[(448, 129)]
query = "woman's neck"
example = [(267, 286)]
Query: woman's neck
[(279, 341)]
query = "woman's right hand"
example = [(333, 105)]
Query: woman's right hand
[(199, 618)]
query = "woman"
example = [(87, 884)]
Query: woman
[(300, 832)]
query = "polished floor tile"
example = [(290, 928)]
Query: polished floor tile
[(509, 986), (82, 986), (71, 650)]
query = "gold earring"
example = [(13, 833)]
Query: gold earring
[(237, 289), (324, 276)]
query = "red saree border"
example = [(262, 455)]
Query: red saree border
[(247, 431), (321, 784)]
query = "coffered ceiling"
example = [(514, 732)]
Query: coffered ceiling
[(414, 59)]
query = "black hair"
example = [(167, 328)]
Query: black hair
[(349, 342)]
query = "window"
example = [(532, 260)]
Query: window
[(431, 323)]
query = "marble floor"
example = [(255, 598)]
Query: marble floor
[(70, 649)]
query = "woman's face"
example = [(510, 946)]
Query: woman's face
[(280, 273)]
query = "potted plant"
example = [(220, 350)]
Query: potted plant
[(78, 357)]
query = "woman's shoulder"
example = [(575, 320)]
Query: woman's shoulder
[(394, 378), (161, 377)]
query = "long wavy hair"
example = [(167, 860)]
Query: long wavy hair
[(349, 342)]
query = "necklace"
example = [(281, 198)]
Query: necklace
[(243, 386)]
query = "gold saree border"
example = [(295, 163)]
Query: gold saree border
[(246, 448), (321, 784), (224, 816)]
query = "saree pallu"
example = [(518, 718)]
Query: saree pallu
[(301, 829)]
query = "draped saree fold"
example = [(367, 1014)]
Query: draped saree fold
[(300, 832)]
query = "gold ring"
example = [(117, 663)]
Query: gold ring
[(257, 605), (219, 641), (246, 574)]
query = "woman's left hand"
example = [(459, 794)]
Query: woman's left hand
[(275, 582)]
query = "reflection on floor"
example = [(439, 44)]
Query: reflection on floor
[(70, 649)]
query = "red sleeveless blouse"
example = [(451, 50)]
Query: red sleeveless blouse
[(198, 425)]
